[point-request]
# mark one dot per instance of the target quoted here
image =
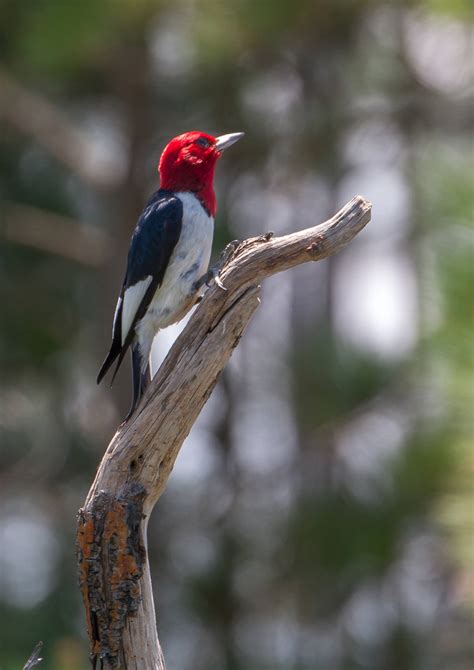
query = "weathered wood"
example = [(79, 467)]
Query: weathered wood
[(35, 658), (112, 559)]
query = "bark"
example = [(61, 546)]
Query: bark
[(114, 573), (35, 658)]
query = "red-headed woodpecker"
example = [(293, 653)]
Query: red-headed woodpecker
[(169, 252)]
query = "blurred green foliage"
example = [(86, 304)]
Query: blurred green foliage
[(354, 550)]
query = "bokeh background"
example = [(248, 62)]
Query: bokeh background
[(319, 516)]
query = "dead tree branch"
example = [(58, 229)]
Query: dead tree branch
[(113, 566), (35, 658)]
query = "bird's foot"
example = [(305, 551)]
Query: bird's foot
[(212, 275)]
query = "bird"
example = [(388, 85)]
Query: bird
[(169, 253)]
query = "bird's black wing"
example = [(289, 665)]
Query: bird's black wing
[(153, 241)]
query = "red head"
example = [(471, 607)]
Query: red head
[(188, 163)]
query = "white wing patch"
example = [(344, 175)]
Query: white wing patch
[(131, 302)]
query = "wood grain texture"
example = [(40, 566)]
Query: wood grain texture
[(112, 558)]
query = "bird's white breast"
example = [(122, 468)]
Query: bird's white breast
[(189, 261)]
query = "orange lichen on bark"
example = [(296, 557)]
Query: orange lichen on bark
[(84, 544), (110, 556)]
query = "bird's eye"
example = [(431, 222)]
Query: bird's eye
[(203, 142)]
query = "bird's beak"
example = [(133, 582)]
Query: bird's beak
[(225, 141)]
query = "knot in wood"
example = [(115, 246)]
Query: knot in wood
[(315, 248)]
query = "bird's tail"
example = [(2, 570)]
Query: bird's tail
[(110, 358), (116, 352), (140, 377)]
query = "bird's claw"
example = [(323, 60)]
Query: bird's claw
[(212, 275), (219, 283), (206, 279)]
